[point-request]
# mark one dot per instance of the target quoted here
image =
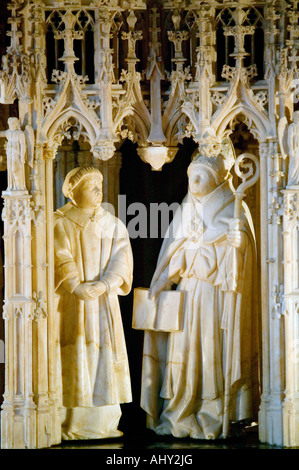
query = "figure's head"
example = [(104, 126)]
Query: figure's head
[(84, 187), (205, 174), (13, 123)]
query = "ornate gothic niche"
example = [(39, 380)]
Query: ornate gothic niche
[(142, 46), (71, 123), (54, 44), (70, 154), (118, 47), (192, 44), (241, 137), (132, 128), (167, 47), (180, 126), (73, 149), (119, 43), (178, 48), (83, 46), (254, 44)]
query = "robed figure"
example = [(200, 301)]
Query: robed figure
[(184, 382), (19, 149), (93, 265), (293, 148)]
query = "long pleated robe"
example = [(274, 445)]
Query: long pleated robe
[(183, 374), (93, 357)]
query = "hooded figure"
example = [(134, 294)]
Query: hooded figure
[(93, 265), (192, 380)]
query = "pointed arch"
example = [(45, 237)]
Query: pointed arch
[(142, 128), (173, 122), (64, 117), (258, 125)]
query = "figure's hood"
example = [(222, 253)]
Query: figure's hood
[(208, 218)]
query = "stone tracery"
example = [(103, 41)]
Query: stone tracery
[(199, 91)]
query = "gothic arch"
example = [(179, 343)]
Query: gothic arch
[(54, 137), (170, 129), (257, 124), (201, 92), (141, 130)]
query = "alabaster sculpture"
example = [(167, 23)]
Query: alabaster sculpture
[(18, 151), (93, 265), (198, 380), (293, 147)]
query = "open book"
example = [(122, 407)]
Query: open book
[(161, 314)]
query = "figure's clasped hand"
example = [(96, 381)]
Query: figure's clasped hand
[(90, 290), (235, 236)]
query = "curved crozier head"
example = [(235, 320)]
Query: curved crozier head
[(205, 174), (83, 186), (13, 123)]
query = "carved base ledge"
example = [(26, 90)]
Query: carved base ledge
[(18, 426), (270, 421), (291, 421)]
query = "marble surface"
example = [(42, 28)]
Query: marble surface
[(93, 265), (88, 108), (196, 381)]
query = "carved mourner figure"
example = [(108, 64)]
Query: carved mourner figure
[(93, 265), (293, 147), (191, 380), (18, 150)]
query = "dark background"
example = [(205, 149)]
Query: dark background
[(140, 184)]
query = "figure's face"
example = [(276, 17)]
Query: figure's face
[(201, 182), (13, 124), (88, 193)]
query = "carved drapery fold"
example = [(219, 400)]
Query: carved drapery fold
[(191, 86)]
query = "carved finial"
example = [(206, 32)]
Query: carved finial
[(176, 19), (131, 20), (69, 35), (132, 36)]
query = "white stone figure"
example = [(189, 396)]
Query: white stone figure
[(19, 150), (288, 135), (293, 147), (183, 373), (93, 265)]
